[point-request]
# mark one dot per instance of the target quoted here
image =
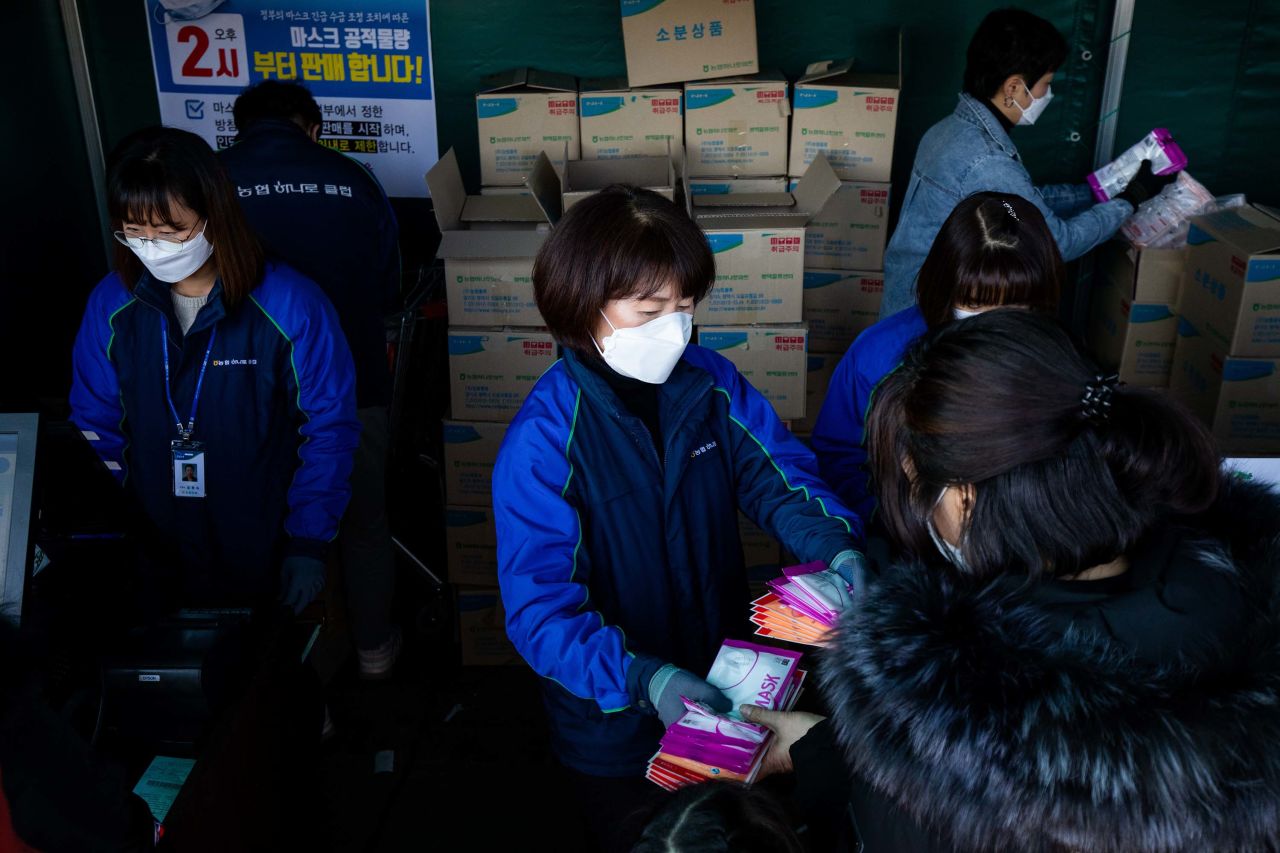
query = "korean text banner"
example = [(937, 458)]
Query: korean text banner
[(367, 62)]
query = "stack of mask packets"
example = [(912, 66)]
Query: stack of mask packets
[(703, 745), (802, 607)]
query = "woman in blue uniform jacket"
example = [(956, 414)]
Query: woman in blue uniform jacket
[(617, 490), (195, 351), (993, 250)]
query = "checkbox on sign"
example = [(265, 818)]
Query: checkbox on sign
[(195, 110)]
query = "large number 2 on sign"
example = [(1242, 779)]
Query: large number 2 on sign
[(190, 68)]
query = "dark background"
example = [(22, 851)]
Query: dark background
[(1210, 74)]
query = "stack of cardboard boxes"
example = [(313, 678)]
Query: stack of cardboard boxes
[(497, 350), (798, 264), (1201, 322), (1226, 362)]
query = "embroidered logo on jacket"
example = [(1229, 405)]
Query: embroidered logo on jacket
[(696, 452)]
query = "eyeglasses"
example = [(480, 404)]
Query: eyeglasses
[(171, 246)]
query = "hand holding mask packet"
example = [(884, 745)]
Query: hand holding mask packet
[(1158, 147), (703, 745), (802, 606), (1162, 222)]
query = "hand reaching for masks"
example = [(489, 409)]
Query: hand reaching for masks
[(301, 581)]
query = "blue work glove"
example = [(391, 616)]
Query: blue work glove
[(656, 687), (301, 580), (850, 571)]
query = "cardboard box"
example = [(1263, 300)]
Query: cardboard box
[(472, 545), (1239, 398), (817, 381), (520, 114), (470, 450), (1232, 288), (491, 371), (732, 185), (1134, 324), (839, 305), (584, 178), (488, 243), (758, 241), (482, 629), (850, 231), (617, 122), (670, 41), (736, 126), (849, 116), (772, 358)]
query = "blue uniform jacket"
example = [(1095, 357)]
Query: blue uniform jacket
[(326, 216), (606, 550), (839, 434), (277, 414)]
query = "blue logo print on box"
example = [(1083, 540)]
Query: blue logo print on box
[(463, 517), (1243, 371), (723, 242), (814, 279), (466, 344), (1263, 271), (809, 99), (460, 434), (639, 7), (592, 106), (722, 340), (1149, 313), (697, 99), (494, 107)]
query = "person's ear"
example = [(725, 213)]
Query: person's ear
[(314, 132), (1010, 90), (968, 494)]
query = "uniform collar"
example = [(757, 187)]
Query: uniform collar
[(151, 291), (685, 381)]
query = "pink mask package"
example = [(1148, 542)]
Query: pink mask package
[(1157, 146), (801, 607), (703, 745)]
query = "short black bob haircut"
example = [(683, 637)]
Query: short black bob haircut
[(995, 402), (620, 243), (994, 249), (719, 817), (276, 99), (1011, 42)]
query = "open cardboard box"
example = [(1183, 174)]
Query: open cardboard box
[(488, 242)]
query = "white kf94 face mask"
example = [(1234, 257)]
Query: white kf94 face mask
[(174, 262), (648, 352), (1037, 105)]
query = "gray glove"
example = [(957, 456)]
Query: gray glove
[(301, 580), (656, 687), (671, 682)]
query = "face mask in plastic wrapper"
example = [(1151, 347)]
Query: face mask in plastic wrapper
[(753, 675), (1157, 146), (1160, 221)]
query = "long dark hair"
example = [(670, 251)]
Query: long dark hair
[(155, 167), (994, 249), (1011, 42), (720, 817), (1058, 487)]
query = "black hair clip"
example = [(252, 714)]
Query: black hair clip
[(1012, 213), (1095, 404)]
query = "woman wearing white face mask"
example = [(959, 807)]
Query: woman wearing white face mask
[(216, 384), (1011, 63), (617, 491), (994, 250)]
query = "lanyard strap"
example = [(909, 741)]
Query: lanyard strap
[(168, 393)]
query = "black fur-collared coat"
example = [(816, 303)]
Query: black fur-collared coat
[(989, 717)]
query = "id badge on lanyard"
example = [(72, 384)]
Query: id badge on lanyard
[(186, 455)]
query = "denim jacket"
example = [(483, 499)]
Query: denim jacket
[(968, 152)]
